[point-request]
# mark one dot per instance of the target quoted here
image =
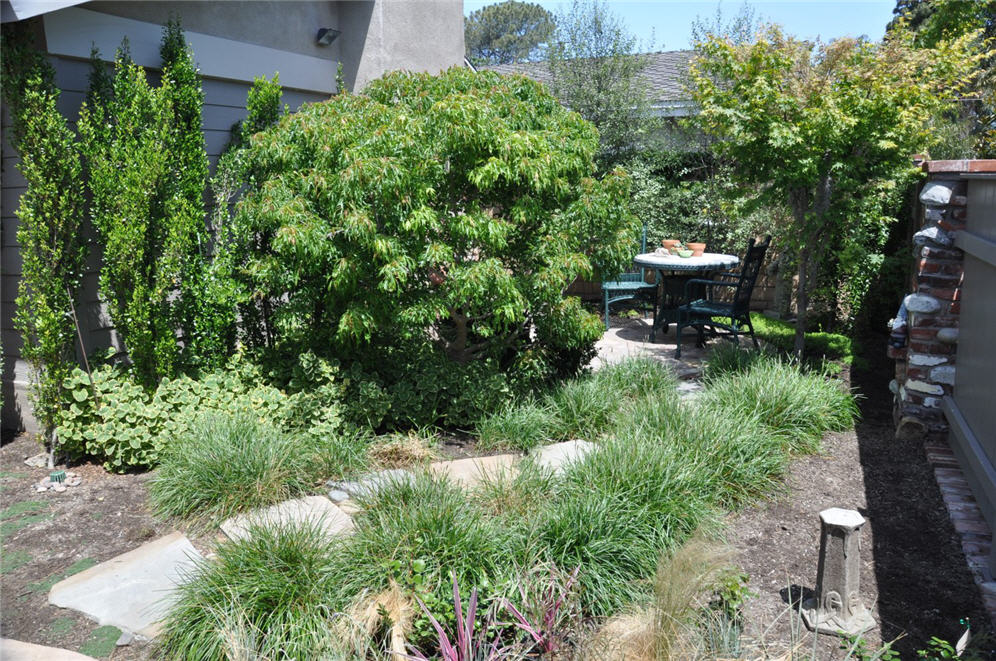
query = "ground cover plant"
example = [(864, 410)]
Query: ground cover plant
[(662, 469)]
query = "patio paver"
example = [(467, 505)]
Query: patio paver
[(558, 456), (15, 650), (314, 510), (131, 591), (469, 472)]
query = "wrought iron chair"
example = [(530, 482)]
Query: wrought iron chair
[(627, 286), (705, 312)]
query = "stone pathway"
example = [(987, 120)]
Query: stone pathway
[(630, 339), (131, 591), (558, 456), (312, 510), (469, 472), (15, 650)]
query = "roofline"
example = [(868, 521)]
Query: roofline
[(18, 10)]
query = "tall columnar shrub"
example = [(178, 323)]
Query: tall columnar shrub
[(204, 342), (50, 214), (147, 168), (221, 295), (454, 208)]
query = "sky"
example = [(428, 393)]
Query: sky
[(666, 24)]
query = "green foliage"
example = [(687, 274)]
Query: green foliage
[(147, 166), (691, 196), (50, 215), (125, 426), (266, 596), (826, 129), (595, 70), (522, 427), (457, 207), (225, 464), (789, 402), (819, 345), (506, 32), (206, 330)]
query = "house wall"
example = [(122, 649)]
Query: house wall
[(233, 42)]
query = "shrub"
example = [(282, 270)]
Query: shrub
[(266, 596), (226, 464), (827, 346), (118, 422), (147, 167), (50, 215), (457, 207)]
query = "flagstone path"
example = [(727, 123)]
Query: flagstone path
[(131, 591)]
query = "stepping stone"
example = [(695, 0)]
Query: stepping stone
[(315, 510), (367, 485), (557, 456), (15, 650), (469, 472), (131, 591), (690, 390)]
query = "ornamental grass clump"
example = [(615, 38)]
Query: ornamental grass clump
[(418, 531), (797, 405), (226, 464), (267, 596), (522, 426)]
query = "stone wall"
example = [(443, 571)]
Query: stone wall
[(925, 346)]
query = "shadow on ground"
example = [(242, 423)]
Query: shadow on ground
[(924, 584)]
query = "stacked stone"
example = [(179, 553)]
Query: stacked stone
[(925, 367)]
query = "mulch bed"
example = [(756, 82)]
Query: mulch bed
[(914, 577)]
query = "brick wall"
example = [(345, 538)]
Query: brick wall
[(925, 348)]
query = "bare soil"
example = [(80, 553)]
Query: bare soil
[(914, 578)]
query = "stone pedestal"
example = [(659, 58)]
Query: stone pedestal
[(837, 607)]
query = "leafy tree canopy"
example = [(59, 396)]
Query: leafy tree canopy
[(506, 32), (454, 208), (827, 128), (596, 68), (936, 21)]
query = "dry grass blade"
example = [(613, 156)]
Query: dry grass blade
[(401, 451)]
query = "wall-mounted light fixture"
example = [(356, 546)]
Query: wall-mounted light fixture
[(326, 36)]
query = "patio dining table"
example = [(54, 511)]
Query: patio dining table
[(673, 272)]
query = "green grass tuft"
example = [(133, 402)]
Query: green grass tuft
[(225, 465), (520, 427), (797, 405), (266, 596), (819, 345)]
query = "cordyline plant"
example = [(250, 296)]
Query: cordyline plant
[(456, 208), (828, 129), (470, 640), (50, 214)]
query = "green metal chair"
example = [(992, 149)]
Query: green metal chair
[(704, 313), (629, 285)]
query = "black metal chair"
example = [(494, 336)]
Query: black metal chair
[(706, 313), (627, 286)]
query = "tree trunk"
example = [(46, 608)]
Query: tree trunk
[(802, 304)]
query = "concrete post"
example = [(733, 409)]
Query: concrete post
[(837, 607)]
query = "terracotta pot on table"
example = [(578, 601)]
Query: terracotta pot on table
[(670, 244), (696, 248)]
